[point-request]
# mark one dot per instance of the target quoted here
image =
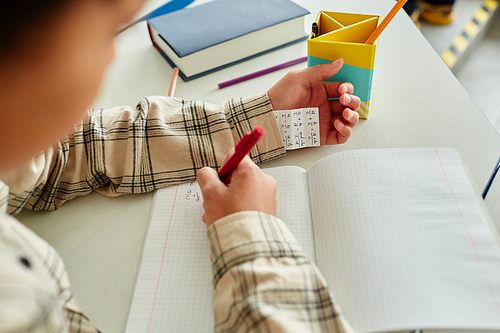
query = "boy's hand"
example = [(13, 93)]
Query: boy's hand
[(249, 189), (306, 88)]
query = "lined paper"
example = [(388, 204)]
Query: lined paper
[(403, 242)]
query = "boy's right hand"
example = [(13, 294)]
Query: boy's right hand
[(249, 190)]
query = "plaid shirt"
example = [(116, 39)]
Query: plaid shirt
[(263, 280), (163, 141)]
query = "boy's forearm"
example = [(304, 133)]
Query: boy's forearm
[(163, 141), (181, 137)]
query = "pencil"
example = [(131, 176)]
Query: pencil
[(173, 82), (373, 37), (261, 72)]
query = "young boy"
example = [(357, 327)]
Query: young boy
[(51, 65)]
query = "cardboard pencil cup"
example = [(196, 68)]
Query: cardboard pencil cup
[(343, 35)]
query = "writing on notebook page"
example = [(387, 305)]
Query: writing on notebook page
[(299, 127), (193, 193)]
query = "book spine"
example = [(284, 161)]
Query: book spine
[(150, 31)]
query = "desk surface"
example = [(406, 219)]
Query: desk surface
[(416, 102)]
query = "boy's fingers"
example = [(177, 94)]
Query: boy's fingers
[(245, 167), (247, 161), (350, 101), (350, 117), (333, 88), (344, 131), (336, 89), (346, 88), (322, 72), (337, 106), (208, 180)]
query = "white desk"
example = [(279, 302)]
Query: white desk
[(416, 102)]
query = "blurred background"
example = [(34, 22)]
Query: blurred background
[(470, 46)]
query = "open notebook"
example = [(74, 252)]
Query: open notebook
[(406, 245)]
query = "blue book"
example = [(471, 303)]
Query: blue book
[(214, 35)]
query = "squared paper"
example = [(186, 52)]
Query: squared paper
[(406, 246)]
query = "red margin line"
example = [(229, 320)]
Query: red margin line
[(478, 259), (162, 260)]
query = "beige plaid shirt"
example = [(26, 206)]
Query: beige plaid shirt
[(163, 141)]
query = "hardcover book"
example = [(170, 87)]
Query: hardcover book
[(214, 35)]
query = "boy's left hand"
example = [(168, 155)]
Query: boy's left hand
[(306, 88)]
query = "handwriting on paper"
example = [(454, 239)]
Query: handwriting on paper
[(299, 128), (193, 193)]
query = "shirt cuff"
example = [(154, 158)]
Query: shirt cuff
[(246, 236), (244, 114)]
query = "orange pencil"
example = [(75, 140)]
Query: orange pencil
[(173, 82), (373, 37)]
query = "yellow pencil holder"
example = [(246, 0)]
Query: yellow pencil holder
[(343, 35)]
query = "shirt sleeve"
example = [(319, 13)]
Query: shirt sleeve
[(263, 280), (163, 141), (35, 293)]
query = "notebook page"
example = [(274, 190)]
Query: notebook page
[(403, 242), (174, 287), (294, 205)]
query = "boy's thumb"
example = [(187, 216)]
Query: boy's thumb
[(208, 179), (325, 71)]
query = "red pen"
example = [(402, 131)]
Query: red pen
[(247, 142)]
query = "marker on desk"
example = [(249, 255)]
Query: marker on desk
[(247, 142)]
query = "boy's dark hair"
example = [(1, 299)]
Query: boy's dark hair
[(22, 19)]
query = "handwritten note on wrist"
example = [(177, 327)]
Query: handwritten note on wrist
[(299, 128)]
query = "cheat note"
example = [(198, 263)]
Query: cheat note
[(299, 128)]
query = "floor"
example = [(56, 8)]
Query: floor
[(479, 69)]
